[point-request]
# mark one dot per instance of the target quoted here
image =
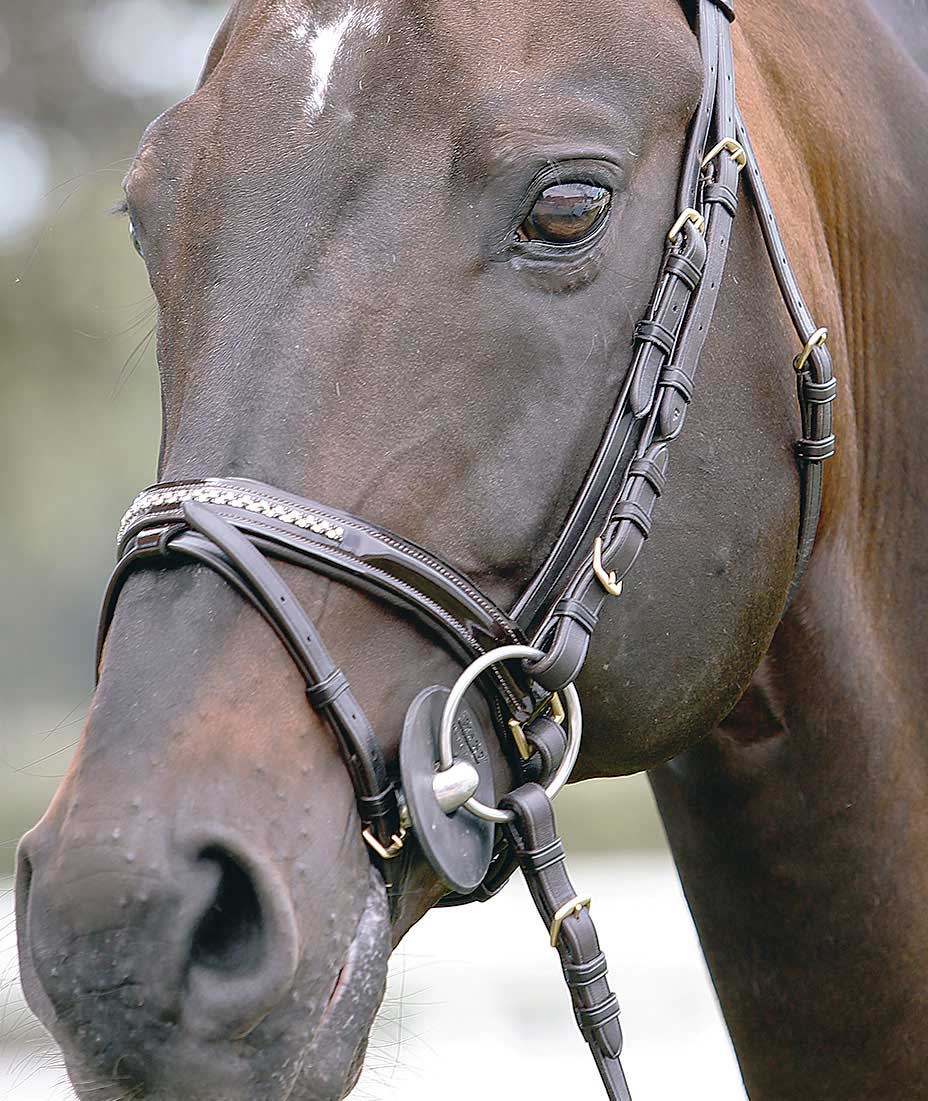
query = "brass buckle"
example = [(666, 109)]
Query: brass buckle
[(605, 577), (575, 905), (688, 215), (518, 730), (386, 853), (816, 340), (730, 146)]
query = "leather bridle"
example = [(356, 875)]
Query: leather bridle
[(236, 527)]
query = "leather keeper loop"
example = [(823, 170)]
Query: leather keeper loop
[(650, 332), (815, 451), (544, 857), (819, 393), (381, 813), (684, 269), (549, 742), (651, 472), (715, 192), (597, 1015), (325, 693), (582, 974), (578, 612), (631, 510), (678, 380), (566, 654)]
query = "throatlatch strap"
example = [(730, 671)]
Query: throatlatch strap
[(533, 837)]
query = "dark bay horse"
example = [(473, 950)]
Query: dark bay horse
[(327, 225)]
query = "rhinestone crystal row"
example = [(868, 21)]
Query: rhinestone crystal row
[(153, 499)]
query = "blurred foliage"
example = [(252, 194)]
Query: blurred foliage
[(78, 383)]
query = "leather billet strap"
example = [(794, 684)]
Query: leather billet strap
[(533, 837)]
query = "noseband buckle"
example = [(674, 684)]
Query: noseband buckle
[(386, 852)]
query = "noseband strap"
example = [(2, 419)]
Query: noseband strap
[(236, 527)]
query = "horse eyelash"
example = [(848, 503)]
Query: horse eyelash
[(119, 209)]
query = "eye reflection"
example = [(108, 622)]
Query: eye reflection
[(566, 213)]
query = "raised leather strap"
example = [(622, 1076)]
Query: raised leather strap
[(326, 686), (534, 839)]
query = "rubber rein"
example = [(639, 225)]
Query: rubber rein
[(523, 660)]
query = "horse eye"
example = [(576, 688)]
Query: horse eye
[(566, 213), (134, 238)]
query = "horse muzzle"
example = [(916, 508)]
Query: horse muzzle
[(177, 970)]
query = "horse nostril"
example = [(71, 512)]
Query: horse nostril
[(244, 946), (230, 935)]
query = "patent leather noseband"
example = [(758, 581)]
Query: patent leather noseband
[(237, 527)]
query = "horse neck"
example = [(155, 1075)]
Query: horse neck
[(837, 110), (796, 827)]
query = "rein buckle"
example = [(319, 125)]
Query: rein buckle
[(575, 906), (688, 215)]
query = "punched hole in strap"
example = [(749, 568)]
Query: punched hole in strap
[(327, 691)]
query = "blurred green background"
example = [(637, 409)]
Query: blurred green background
[(79, 409)]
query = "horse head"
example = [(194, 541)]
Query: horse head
[(398, 251)]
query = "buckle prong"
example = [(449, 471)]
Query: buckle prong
[(730, 146), (384, 852), (688, 215), (816, 340), (606, 578), (575, 905)]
